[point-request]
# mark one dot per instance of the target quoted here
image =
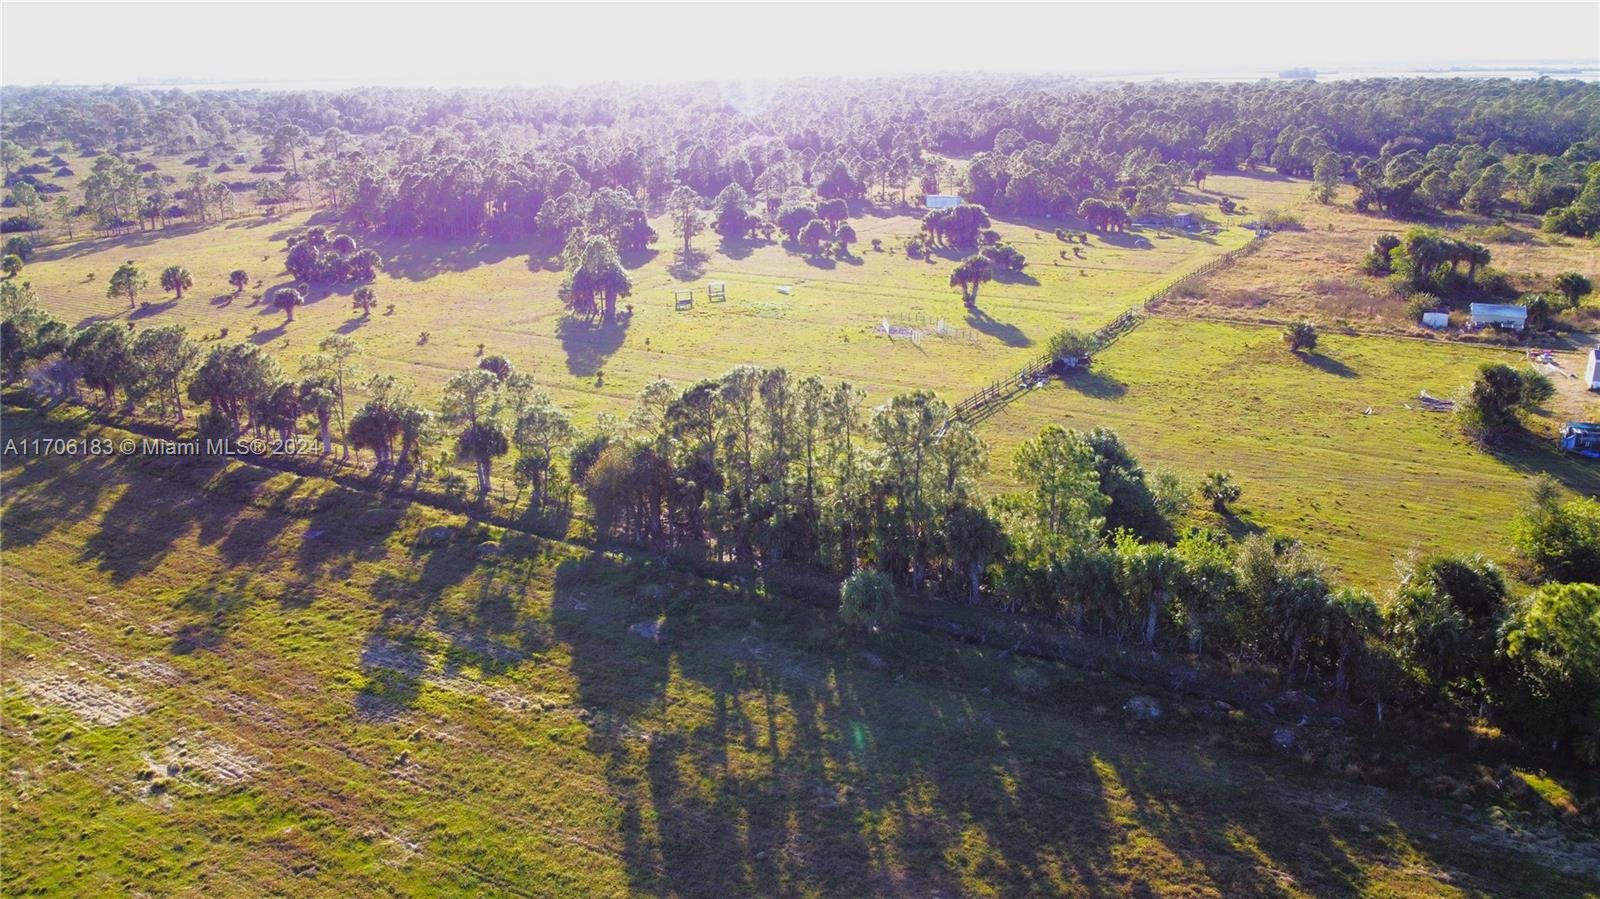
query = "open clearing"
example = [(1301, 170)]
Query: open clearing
[(1315, 271), (323, 708), (1362, 489), (504, 296)]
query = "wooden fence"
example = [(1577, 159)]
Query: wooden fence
[(988, 400)]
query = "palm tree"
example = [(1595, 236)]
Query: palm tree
[(364, 299), (286, 299), (968, 275), (481, 442), (1218, 486), (1351, 617), (1573, 286), (975, 538), (1146, 571), (176, 279)]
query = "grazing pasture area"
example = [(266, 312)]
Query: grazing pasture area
[(225, 680), (1362, 489), (1315, 271), (504, 296)]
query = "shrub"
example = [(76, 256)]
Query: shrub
[(1375, 264), (1280, 220), (1537, 388), (20, 246), (1219, 487), (1560, 540), (1068, 343), (866, 600), (1492, 406), (1552, 641), (1301, 336), (1420, 302)]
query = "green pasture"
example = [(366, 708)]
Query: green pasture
[(1324, 446), (220, 680), (504, 296)]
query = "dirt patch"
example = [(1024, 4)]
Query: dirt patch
[(97, 705), (202, 763)]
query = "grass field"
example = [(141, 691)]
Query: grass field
[(220, 680), (503, 295), (1316, 272), (1363, 489)]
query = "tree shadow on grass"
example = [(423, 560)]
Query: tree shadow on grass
[(147, 310), (1239, 526), (736, 249), (1328, 364), (421, 258), (1094, 383), (688, 266), (90, 245), (1534, 455), (797, 745), (219, 602), (1124, 239), (589, 344), (638, 258), (46, 493), (1008, 277), (267, 335), (1006, 333)]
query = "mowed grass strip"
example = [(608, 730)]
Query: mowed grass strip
[(1363, 489), (418, 719)]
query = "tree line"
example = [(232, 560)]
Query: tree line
[(764, 469), (466, 163)]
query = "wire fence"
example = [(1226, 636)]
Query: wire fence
[(987, 400)]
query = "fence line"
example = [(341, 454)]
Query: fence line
[(987, 400)]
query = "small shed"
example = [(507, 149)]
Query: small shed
[(941, 201), (1184, 220), (1582, 437), (1498, 315), (1591, 371), (1436, 320)]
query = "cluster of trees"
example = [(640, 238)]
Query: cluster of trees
[(761, 468), (1103, 215), (1428, 260), (315, 257), (1408, 180), (961, 226), (1492, 407), (813, 227), (1427, 264)]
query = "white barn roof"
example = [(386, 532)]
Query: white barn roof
[(1497, 312), (941, 201)]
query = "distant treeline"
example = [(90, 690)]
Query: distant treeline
[(532, 161)]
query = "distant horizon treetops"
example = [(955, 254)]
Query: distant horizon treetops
[(539, 162)]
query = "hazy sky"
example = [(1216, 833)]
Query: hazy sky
[(501, 44)]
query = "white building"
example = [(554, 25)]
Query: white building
[(1591, 372), (1499, 315)]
